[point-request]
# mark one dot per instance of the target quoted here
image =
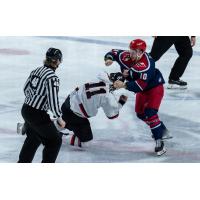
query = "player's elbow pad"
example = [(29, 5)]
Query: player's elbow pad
[(108, 57), (122, 99)]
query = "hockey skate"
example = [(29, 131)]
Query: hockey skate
[(21, 128), (160, 149), (176, 84), (75, 141)]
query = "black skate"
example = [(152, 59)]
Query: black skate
[(176, 84), (21, 128), (160, 149)]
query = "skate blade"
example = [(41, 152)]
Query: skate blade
[(76, 148), (160, 153), (174, 87), (164, 137), (167, 137), (19, 128)]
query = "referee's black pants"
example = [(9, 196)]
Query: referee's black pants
[(183, 47), (40, 130)]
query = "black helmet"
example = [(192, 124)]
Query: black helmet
[(54, 54), (116, 77)]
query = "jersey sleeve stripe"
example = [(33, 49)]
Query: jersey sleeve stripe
[(83, 110), (113, 117), (141, 84)]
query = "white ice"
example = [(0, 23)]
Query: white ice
[(125, 139)]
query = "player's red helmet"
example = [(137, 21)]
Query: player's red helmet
[(138, 44)]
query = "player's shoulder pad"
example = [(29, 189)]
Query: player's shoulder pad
[(143, 65), (125, 55), (116, 51)]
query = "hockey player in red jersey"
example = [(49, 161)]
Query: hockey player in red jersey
[(147, 82), (84, 103)]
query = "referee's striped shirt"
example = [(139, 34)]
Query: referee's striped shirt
[(41, 90)]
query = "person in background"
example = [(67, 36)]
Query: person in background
[(183, 46)]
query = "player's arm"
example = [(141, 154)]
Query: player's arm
[(112, 106), (27, 82), (111, 56), (137, 82), (134, 86)]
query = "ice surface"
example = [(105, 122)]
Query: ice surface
[(125, 139)]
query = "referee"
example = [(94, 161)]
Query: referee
[(41, 94), (183, 46)]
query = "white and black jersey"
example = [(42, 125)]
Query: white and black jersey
[(41, 90), (87, 99)]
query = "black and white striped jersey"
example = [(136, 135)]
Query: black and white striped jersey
[(41, 90)]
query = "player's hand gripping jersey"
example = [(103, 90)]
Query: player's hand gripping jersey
[(142, 75), (88, 98)]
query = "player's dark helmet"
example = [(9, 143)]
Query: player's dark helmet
[(54, 54), (116, 77)]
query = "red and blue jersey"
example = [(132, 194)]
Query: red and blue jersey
[(143, 75)]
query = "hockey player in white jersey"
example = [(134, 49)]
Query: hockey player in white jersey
[(84, 103)]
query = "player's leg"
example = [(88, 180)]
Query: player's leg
[(67, 114), (153, 121), (79, 125), (140, 102), (154, 99), (157, 127), (83, 130)]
